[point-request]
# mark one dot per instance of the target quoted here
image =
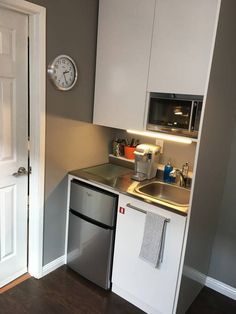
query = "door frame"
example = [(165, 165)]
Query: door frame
[(37, 94)]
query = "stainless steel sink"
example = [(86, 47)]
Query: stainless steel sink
[(165, 192)]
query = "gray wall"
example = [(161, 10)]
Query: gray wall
[(223, 260), (72, 29), (70, 144)]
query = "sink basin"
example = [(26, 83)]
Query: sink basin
[(165, 192)]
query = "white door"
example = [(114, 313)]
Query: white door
[(13, 144)]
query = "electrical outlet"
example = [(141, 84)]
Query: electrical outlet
[(160, 143)]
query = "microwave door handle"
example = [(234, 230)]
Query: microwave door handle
[(193, 116)]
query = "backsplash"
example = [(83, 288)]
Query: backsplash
[(176, 153)]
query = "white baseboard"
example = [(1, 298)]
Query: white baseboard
[(221, 287), (53, 265), (194, 275), (210, 282)]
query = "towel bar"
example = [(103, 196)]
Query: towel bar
[(142, 210)]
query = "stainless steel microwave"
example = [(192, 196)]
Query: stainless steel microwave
[(174, 113)]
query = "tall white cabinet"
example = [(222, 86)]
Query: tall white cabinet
[(151, 289), (123, 52), (180, 58)]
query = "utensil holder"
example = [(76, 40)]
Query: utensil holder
[(129, 152)]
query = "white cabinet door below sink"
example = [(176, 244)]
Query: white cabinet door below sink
[(151, 289)]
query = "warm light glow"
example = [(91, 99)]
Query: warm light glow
[(168, 137)]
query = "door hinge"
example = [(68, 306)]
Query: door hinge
[(30, 169)]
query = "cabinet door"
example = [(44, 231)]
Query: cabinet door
[(151, 289), (123, 54), (182, 41)]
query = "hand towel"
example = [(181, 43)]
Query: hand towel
[(153, 239)]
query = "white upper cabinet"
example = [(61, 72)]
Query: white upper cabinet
[(123, 54), (182, 42), (150, 46)]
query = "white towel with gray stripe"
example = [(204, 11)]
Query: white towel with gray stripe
[(153, 239)]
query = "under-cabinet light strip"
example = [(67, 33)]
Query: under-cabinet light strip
[(162, 136)]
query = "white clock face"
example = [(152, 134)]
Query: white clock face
[(63, 72)]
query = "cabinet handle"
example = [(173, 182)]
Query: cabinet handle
[(141, 210), (136, 208)]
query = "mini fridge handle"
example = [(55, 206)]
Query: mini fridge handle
[(94, 222)]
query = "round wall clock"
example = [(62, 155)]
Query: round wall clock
[(63, 72)]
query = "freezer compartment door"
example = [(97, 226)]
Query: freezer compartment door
[(93, 202), (90, 250)]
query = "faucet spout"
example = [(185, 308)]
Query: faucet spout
[(177, 173)]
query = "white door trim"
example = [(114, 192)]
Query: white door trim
[(37, 35)]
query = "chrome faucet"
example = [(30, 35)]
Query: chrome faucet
[(177, 173)]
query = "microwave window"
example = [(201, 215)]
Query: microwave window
[(170, 113)]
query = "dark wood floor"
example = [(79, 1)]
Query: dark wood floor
[(62, 292), (65, 292), (212, 302)]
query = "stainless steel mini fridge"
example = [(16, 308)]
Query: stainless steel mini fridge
[(91, 234)]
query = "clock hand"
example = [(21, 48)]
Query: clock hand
[(65, 77)]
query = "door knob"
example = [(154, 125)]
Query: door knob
[(20, 172)]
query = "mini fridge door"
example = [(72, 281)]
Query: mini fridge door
[(90, 250), (93, 202)]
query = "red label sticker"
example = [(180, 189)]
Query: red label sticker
[(122, 210)]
